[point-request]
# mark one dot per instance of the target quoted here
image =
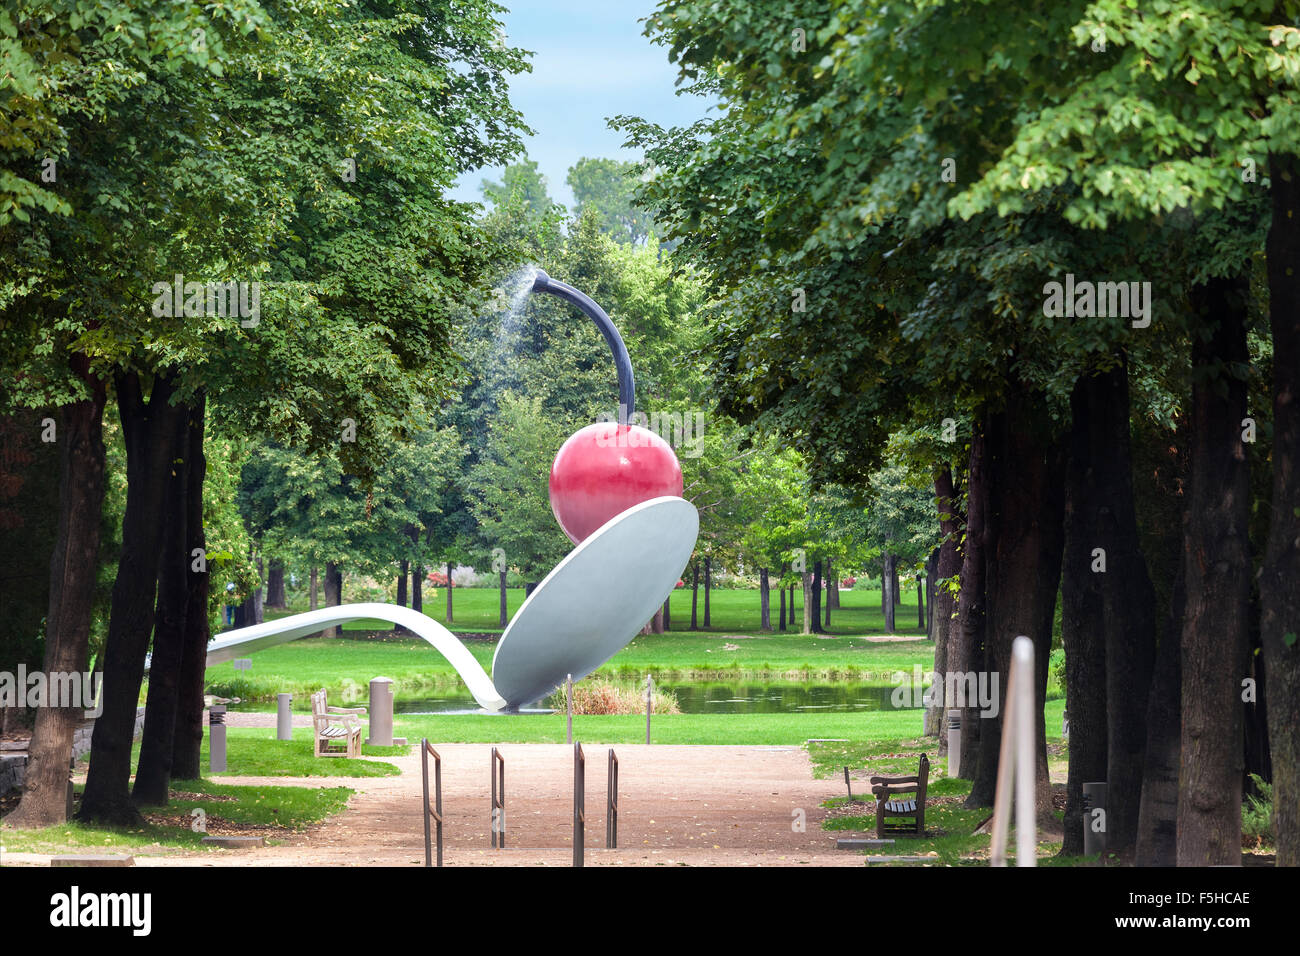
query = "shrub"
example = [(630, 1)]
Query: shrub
[(465, 577), (1257, 813), (1056, 674), (601, 696)]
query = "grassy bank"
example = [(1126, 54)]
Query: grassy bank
[(264, 811)]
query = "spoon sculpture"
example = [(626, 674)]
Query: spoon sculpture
[(616, 491)]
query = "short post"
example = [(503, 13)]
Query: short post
[(954, 743), (1094, 818), (579, 803), (381, 712), (283, 717), (568, 705), (498, 800), (611, 803), (848, 784), (649, 704), (217, 738)]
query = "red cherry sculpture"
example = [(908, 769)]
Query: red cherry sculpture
[(606, 468)]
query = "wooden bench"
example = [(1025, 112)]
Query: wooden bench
[(889, 790), (337, 729)]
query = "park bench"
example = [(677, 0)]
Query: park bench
[(889, 803), (337, 729)]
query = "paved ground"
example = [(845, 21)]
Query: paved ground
[(679, 806)]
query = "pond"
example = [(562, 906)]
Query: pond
[(739, 697)]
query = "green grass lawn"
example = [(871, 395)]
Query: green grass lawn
[(789, 729), (950, 827), (268, 810), (254, 752)]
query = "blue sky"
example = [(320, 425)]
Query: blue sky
[(590, 62)]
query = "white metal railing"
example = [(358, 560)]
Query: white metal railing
[(1019, 733)]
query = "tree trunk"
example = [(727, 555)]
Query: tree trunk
[(966, 639), (1128, 601), (806, 578), (1024, 552), (417, 588), (896, 590), (311, 600), (1280, 598), (695, 594), (251, 610), (931, 569), (505, 615), (920, 605), (764, 602), (107, 795), (403, 575), (1157, 839), (1083, 618), (832, 590), (154, 770), (781, 588), (275, 595), (333, 595), (887, 584), (817, 598), (187, 740), (947, 563), (71, 598), (1216, 572), (708, 587), (450, 618)]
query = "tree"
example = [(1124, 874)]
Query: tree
[(607, 187), (510, 496)]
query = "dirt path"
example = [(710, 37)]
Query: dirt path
[(678, 805)]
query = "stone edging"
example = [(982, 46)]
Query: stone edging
[(13, 767)]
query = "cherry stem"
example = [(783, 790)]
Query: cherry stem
[(626, 380)]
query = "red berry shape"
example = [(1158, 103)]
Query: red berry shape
[(606, 468)]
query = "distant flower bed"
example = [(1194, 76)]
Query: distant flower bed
[(848, 582)]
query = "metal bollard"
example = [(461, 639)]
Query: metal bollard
[(579, 804), (217, 738), (283, 717), (1094, 818), (954, 743), (649, 704), (381, 712)]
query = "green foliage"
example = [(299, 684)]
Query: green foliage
[(607, 187), (1257, 813)]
